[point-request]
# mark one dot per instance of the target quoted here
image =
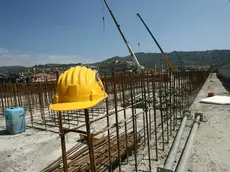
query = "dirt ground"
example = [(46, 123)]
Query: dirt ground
[(33, 150), (30, 151), (211, 149)]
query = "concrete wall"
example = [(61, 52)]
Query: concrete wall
[(224, 71)]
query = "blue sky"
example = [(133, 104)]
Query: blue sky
[(64, 31)]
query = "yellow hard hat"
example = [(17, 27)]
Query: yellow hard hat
[(78, 88)]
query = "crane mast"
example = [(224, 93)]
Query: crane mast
[(139, 67), (171, 67)]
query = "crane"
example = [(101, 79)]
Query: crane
[(140, 68), (181, 61), (170, 65)]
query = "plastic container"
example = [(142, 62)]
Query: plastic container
[(15, 120), (210, 94)]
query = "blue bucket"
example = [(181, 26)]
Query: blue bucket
[(15, 120)]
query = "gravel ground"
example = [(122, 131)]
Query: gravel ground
[(211, 148), (30, 151)]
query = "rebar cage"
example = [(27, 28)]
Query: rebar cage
[(126, 132)]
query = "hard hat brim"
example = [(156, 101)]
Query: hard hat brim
[(76, 105)]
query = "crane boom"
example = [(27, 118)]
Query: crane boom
[(125, 40), (171, 67), (181, 61)]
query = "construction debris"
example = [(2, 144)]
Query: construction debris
[(222, 100)]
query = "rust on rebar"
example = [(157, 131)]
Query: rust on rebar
[(141, 113)]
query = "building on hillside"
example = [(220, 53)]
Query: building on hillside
[(40, 77), (116, 66)]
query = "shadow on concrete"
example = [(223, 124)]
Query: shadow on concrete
[(3, 132), (225, 82)]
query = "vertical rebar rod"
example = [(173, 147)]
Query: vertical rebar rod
[(108, 123), (134, 123), (176, 95), (15, 95), (155, 113), (191, 87), (182, 94), (188, 89), (117, 120), (2, 98), (123, 100), (183, 100), (135, 83), (149, 104), (161, 113), (90, 142), (166, 115), (45, 93), (143, 96), (146, 118), (11, 95), (62, 135), (30, 109), (68, 116), (8, 102), (170, 101), (42, 107)]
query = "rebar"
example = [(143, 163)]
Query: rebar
[(140, 113)]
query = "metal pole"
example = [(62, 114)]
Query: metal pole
[(170, 102), (154, 112), (117, 121), (181, 167), (172, 154), (108, 124), (63, 147), (147, 122), (166, 114), (125, 116), (90, 142), (161, 112), (134, 123)]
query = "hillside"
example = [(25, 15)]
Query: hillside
[(189, 58), (209, 57), (12, 68)]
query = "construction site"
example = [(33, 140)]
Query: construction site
[(132, 127), (136, 119)]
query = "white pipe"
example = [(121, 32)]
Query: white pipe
[(181, 167), (173, 151)]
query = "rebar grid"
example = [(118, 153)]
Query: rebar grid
[(138, 118)]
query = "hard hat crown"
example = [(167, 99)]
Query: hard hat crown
[(78, 88)]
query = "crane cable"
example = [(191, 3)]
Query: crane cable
[(138, 37), (103, 16)]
